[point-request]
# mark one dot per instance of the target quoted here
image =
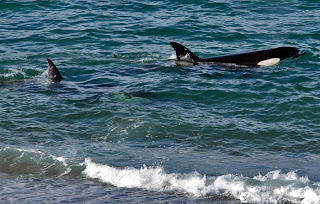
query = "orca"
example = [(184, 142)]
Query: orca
[(53, 72), (262, 58)]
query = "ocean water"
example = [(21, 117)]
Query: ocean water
[(128, 125)]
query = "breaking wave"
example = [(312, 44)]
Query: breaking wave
[(274, 187)]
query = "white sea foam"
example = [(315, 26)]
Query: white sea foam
[(64, 163), (12, 73), (146, 59), (149, 58), (21, 150), (173, 56), (274, 187), (35, 158)]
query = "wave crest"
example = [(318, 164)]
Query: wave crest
[(273, 187)]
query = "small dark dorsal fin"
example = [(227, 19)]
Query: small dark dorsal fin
[(53, 73)]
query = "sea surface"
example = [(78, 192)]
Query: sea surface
[(127, 124)]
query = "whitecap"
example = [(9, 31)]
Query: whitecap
[(274, 187)]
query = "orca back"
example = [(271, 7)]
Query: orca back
[(267, 57)]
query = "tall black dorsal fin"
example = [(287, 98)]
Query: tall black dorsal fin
[(53, 72), (184, 54)]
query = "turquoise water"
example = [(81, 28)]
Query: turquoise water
[(128, 125)]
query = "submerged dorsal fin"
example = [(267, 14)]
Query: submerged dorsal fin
[(53, 73), (183, 53)]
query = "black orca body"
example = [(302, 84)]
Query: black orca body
[(53, 73), (251, 59)]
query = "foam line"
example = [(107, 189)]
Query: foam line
[(274, 187)]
